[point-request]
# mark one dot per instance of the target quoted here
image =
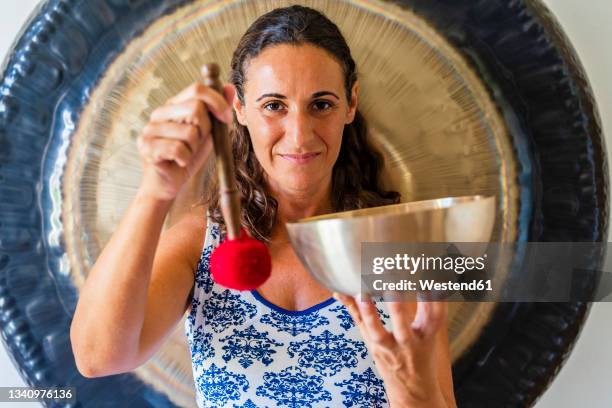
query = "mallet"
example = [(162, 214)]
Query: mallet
[(240, 262)]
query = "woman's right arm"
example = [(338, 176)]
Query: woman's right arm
[(139, 287), (137, 291)]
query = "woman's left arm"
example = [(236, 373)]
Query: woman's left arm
[(414, 359)]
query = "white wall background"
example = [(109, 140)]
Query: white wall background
[(585, 380)]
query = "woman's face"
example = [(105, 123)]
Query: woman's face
[(295, 107)]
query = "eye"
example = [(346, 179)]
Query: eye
[(273, 106), (322, 105)]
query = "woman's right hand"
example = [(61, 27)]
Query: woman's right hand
[(177, 140)]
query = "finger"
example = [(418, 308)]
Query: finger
[(374, 326), (188, 134), (430, 316), (158, 149), (229, 91), (192, 111), (215, 102), (349, 303), (402, 314), (199, 158)]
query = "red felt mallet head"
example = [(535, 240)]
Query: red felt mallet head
[(240, 262)]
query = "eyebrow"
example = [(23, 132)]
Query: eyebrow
[(280, 96)]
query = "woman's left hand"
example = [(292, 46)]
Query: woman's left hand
[(414, 359)]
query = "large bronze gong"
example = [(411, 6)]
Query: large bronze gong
[(463, 97)]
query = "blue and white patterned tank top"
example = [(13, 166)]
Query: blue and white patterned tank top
[(248, 352)]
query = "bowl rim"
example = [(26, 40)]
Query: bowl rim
[(432, 204)]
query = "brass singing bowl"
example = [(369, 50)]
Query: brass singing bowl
[(330, 245)]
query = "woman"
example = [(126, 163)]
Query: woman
[(300, 149)]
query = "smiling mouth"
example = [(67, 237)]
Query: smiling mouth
[(300, 158)]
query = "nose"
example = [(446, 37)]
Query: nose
[(299, 128)]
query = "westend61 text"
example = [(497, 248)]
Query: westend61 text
[(429, 284)]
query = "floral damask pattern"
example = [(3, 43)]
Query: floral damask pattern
[(294, 324), (225, 309), (199, 344), (203, 278), (247, 404), (363, 390), (249, 345), (220, 385), (328, 353), (293, 388), (346, 321)]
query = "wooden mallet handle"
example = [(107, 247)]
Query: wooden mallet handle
[(229, 198)]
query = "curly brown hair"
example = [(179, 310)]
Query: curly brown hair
[(355, 175)]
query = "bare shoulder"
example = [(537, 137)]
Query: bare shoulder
[(186, 238)]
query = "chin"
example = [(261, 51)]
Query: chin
[(301, 178), (301, 182)]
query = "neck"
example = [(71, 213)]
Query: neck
[(297, 204)]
